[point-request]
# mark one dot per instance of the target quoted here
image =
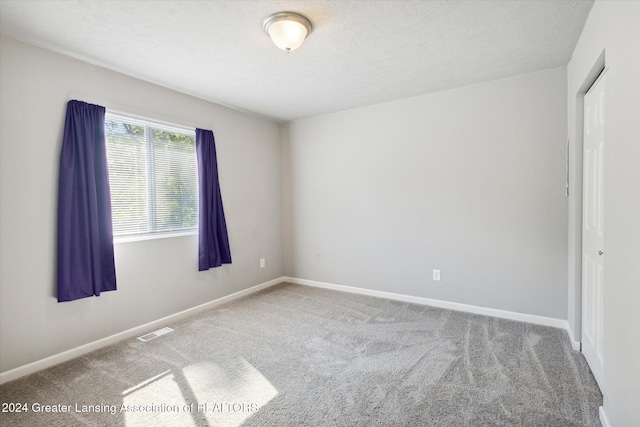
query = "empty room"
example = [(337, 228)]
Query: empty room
[(319, 213)]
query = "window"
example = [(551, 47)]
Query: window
[(153, 176)]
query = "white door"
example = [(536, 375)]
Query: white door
[(592, 228)]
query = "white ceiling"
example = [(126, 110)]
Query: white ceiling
[(359, 53)]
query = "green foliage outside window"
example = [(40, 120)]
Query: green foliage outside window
[(153, 178)]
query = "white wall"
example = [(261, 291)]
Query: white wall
[(612, 33), (470, 181), (156, 278)]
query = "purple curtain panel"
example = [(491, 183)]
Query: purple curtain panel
[(85, 264), (213, 241)]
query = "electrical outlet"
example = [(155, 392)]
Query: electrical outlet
[(263, 263), (436, 275)]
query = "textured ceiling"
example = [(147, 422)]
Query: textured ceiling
[(359, 53)]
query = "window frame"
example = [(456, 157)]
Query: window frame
[(162, 126)]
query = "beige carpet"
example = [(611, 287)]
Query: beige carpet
[(300, 356)]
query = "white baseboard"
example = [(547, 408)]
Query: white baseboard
[(129, 333), (603, 417), (503, 314), (138, 330), (574, 344)]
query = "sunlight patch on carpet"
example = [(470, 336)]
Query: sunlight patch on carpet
[(233, 391), (224, 393)]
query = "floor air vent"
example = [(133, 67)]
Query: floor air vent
[(155, 334)]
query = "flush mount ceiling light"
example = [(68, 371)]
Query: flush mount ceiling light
[(287, 30)]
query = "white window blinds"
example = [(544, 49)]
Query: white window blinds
[(153, 176)]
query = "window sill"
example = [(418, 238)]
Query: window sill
[(153, 236)]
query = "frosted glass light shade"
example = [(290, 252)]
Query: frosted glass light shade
[(287, 30)]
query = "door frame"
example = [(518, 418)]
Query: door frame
[(600, 378), (574, 191)]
